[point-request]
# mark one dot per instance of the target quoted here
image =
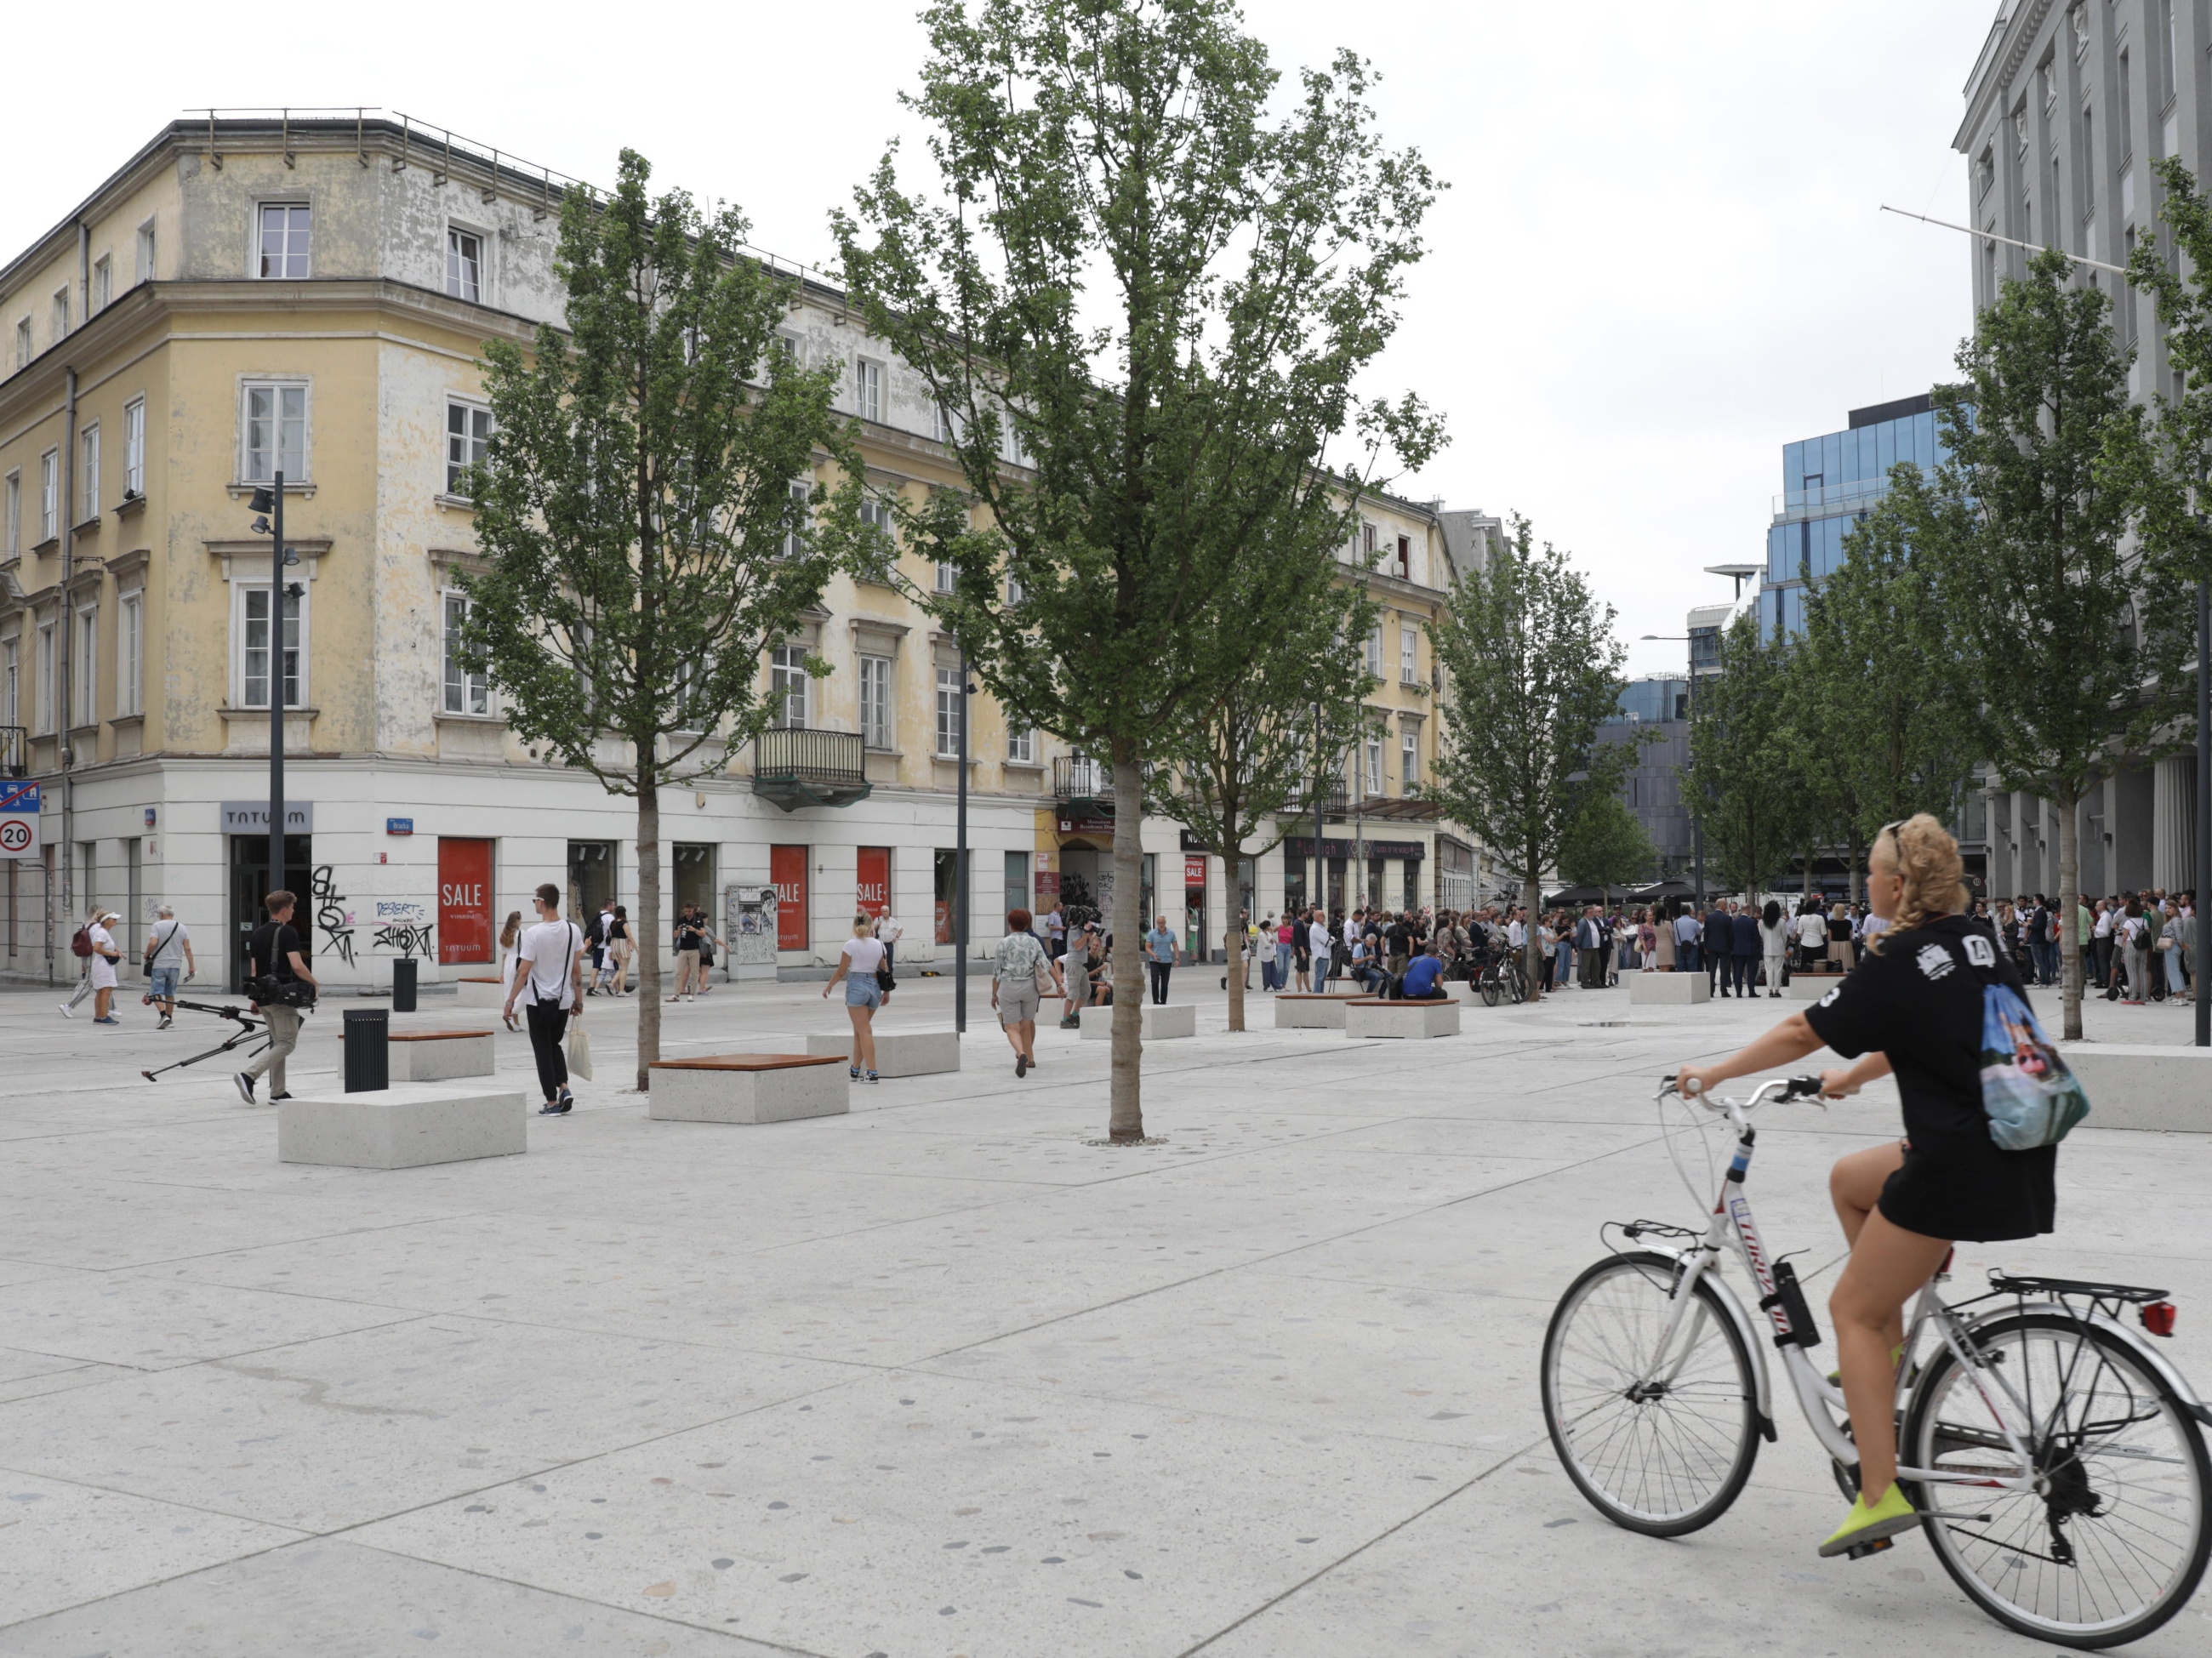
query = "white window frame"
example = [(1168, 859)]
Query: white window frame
[(277, 387), (11, 680), (789, 686), (87, 472), (1409, 754), (134, 448), (84, 694), (876, 515), (259, 258), (1409, 654), (103, 286), (61, 313), (1021, 745), (474, 414), (948, 712), (460, 691), (300, 688), (1375, 651), (131, 654), (150, 248), (49, 495), (794, 541), (945, 574), (941, 427), (1376, 782), (43, 709), (465, 270), (11, 519), (878, 702), (24, 350), (1015, 592), (868, 389)]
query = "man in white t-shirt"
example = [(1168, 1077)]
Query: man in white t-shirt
[(548, 981), (889, 931)]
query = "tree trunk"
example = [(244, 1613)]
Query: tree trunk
[(1126, 1118), (1532, 951), (1236, 938), (645, 930), (2069, 934)]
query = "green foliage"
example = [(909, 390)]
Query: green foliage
[(1142, 299), (1532, 669), (2177, 461), (1605, 844), (1740, 774)]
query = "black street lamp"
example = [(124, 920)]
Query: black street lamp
[(267, 504)]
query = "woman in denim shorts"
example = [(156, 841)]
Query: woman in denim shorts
[(856, 970)]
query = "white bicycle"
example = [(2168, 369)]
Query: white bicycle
[(2054, 1453)]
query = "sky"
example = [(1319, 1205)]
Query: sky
[(1660, 260)]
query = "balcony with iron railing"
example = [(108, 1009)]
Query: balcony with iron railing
[(15, 751), (1079, 782), (795, 768)]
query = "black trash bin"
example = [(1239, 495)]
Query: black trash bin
[(402, 985), (368, 1049)]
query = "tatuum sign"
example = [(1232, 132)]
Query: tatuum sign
[(465, 922)]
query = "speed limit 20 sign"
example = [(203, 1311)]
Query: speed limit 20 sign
[(19, 820)]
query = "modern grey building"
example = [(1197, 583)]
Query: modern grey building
[(2066, 109), (1652, 789)]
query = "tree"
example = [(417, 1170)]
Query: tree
[(2175, 470), (1606, 845), (1531, 670), (1141, 304), (1244, 756), (644, 545), (1740, 761), (2070, 648)]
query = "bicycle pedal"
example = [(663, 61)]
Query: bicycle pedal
[(1874, 1548)]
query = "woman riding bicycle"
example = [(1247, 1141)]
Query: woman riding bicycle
[(1911, 1008)]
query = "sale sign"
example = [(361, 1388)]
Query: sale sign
[(786, 870), (19, 820), (465, 930), (872, 892)]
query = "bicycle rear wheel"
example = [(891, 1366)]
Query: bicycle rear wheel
[(1489, 982), (2115, 1543), (1658, 1447)]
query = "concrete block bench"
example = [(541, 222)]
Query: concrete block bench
[(753, 1088), (1810, 987), (403, 1126), (1668, 989), (1295, 1009), (432, 1056), (898, 1053), (2140, 1085), (1371, 1015), (1176, 1019), (486, 991)]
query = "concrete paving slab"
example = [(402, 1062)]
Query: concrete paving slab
[(157, 1324)]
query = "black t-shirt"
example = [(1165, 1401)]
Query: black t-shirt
[(687, 933), (271, 949), (1920, 1002)]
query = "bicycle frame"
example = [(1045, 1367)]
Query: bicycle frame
[(1732, 1221)]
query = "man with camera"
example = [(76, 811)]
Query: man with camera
[(280, 984)]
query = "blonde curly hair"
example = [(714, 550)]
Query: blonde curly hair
[(1928, 863)]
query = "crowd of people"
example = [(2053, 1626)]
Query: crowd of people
[(2136, 947)]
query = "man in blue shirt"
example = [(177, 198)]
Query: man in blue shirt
[(1720, 948), (1160, 955), (1424, 979)]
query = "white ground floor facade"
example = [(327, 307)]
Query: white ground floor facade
[(423, 861)]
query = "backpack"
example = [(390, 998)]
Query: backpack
[(2030, 1097), (81, 944)]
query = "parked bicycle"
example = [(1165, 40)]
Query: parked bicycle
[(2054, 1453), (1504, 978)]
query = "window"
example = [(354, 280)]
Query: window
[(1021, 746), (1015, 592), (948, 713), (134, 448), (61, 315), (284, 241), (468, 688), (868, 389), (1367, 543), (1375, 651), (1374, 747), (464, 264), (1409, 754), (11, 527), (875, 703), (43, 690), (50, 495), (11, 689), (875, 522), (941, 427), (794, 539), (275, 434), (84, 694), (131, 656), (103, 286), (468, 441), (1409, 639), (2089, 162), (787, 687), (944, 576), (23, 353), (1406, 558), (146, 251), (88, 472), (253, 664), (1985, 174)]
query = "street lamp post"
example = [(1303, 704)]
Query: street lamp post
[(960, 872), (268, 505), (2203, 808)]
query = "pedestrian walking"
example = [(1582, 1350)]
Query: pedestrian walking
[(1161, 954), (858, 964), (1301, 952), (621, 946), (168, 954), (1075, 976), (549, 982), (1023, 977), (595, 940), (1686, 929), (1056, 930), (274, 953), (81, 947), (100, 966)]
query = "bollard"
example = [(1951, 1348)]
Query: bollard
[(368, 1049), (402, 985)]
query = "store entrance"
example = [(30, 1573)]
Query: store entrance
[(250, 885)]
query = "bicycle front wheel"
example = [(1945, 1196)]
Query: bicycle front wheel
[(1659, 1442), (2114, 1543), (1490, 989)]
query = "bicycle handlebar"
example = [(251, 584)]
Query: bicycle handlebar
[(1794, 1088)]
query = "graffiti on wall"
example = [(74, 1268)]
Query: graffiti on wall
[(404, 927), (331, 915)]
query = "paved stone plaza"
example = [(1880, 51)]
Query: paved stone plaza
[(936, 1377)]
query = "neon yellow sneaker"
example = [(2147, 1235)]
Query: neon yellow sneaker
[(1864, 1526), (1896, 1358)]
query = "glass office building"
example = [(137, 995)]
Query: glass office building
[(1651, 788), (1828, 485)]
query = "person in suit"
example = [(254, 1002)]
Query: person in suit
[(1720, 948), (1749, 947)]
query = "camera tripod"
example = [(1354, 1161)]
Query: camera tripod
[(249, 1028)]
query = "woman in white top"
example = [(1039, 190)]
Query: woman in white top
[(509, 936), (856, 971), (1773, 943)]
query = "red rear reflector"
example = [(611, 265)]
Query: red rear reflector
[(2157, 1317)]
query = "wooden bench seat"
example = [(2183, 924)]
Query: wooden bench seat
[(750, 1088)]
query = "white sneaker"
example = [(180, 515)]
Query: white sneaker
[(68, 1011)]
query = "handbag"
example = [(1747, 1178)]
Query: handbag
[(2029, 1095), (579, 1053)]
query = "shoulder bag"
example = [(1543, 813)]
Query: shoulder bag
[(2029, 1095)]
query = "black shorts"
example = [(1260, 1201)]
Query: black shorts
[(1967, 1187)]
